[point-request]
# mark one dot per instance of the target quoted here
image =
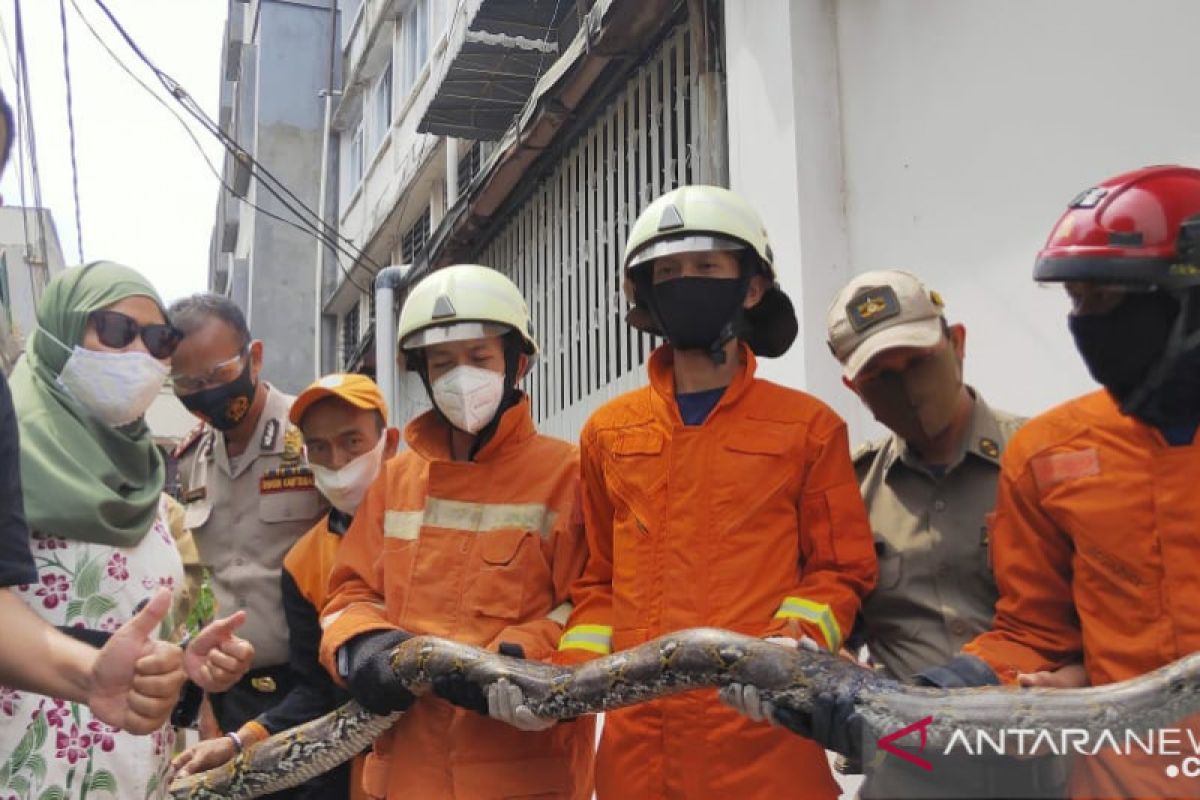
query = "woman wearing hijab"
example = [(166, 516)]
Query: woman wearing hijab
[(92, 484)]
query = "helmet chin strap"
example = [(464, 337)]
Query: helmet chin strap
[(1178, 343)]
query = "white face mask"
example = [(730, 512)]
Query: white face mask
[(469, 396), (345, 487), (115, 388)]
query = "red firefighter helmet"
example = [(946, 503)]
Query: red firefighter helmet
[(1142, 227)]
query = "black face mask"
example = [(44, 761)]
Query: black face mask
[(699, 313), (1122, 349), (224, 406), (1120, 346)]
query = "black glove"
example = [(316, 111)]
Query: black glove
[(834, 723), (369, 673), (960, 672), (456, 689)]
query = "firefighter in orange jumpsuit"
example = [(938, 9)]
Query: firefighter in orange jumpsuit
[(713, 498), (347, 440), (473, 533), (1095, 543)]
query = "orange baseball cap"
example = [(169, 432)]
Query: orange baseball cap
[(357, 390)]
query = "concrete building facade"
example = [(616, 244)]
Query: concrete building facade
[(277, 71), (30, 255), (940, 136)]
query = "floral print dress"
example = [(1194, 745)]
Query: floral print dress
[(53, 749)]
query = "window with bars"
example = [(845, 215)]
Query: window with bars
[(414, 240), (563, 245), (351, 331), (469, 164)]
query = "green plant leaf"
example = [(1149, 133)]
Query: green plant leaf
[(21, 753), (74, 610), (87, 579), (20, 786), (103, 781), (54, 792), (96, 607), (37, 765)]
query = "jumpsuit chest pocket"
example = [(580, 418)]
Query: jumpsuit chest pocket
[(636, 481), (637, 477), (754, 468), (506, 562)]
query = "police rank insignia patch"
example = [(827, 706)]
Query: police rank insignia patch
[(872, 306), (286, 479)]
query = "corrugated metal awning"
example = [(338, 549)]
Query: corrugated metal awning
[(495, 64)]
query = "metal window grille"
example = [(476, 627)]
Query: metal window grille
[(350, 335), (471, 161), (412, 244), (563, 246)]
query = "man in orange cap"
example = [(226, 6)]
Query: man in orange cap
[(344, 421)]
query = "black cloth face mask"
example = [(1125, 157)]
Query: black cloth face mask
[(699, 313), (1127, 349), (224, 406), (1121, 345)]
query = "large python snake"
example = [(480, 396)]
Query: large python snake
[(695, 659)]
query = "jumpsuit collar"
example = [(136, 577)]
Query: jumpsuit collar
[(429, 434), (662, 382)]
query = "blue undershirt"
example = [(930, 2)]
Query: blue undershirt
[(694, 407), (1180, 434)]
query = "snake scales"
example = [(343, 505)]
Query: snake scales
[(695, 659)]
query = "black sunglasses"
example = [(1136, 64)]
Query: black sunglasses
[(118, 330)]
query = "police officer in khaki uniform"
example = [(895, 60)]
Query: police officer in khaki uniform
[(929, 488), (248, 492)]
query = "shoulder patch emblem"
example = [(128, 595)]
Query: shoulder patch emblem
[(1055, 468), (189, 441)]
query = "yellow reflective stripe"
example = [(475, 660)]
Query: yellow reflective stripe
[(402, 524), (463, 515), (818, 614), (594, 638), (562, 613), (329, 619)]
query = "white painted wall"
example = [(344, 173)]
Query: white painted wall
[(960, 129)]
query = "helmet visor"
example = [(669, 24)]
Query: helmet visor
[(454, 332), (695, 243)]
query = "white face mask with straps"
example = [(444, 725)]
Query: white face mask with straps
[(115, 388), (469, 396), (346, 487)]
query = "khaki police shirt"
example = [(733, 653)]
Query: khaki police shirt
[(245, 517), (935, 590)]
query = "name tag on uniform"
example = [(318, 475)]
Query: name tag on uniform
[(286, 479)]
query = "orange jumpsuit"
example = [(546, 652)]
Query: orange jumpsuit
[(751, 522), (1096, 551), (481, 552)]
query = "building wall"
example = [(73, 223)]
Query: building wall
[(279, 118), (945, 137), (26, 281)]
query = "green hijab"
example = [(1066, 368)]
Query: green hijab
[(82, 479)]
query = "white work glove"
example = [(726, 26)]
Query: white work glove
[(506, 702), (746, 700)]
